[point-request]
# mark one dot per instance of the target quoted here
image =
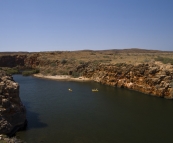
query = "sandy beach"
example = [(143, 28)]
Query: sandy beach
[(62, 77)]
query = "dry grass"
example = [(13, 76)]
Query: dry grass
[(109, 56)]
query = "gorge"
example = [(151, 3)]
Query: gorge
[(154, 78), (151, 77)]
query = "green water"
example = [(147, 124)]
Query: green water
[(112, 115)]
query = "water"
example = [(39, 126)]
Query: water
[(112, 115)]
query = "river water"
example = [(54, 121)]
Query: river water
[(111, 115)]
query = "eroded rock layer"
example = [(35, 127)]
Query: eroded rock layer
[(154, 78), (12, 111)]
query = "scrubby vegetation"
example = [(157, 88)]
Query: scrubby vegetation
[(11, 70), (76, 74), (73, 62), (30, 72), (164, 60), (63, 61)]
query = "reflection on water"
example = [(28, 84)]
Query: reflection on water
[(111, 115)]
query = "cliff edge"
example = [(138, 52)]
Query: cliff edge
[(150, 78), (12, 111)]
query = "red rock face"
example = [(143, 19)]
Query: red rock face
[(154, 79), (12, 61), (19, 60)]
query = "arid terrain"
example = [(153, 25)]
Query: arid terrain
[(147, 71), (62, 62)]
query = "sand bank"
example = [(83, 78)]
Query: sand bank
[(62, 77)]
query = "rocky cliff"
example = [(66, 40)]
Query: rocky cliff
[(154, 78), (12, 60), (23, 61), (12, 111)]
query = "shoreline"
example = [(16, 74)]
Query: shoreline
[(62, 77)]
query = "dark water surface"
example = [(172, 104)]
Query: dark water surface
[(111, 115)]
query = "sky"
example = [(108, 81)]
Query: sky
[(68, 25)]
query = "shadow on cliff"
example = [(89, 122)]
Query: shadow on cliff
[(32, 118)]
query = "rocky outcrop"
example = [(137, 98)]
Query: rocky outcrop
[(12, 111), (154, 78)]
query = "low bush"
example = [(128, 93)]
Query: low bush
[(63, 61), (92, 53), (63, 72), (105, 56), (75, 74), (53, 64), (53, 73), (81, 62)]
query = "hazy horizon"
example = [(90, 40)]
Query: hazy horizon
[(85, 50)]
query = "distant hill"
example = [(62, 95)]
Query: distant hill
[(131, 50)]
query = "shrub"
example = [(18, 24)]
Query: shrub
[(53, 73), (47, 71), (81, 62), (75, 74), (96, 62), (53, 64), (105, 56), (146, 60), (63, 61), (119, 64), (92, 53), (63, 72)]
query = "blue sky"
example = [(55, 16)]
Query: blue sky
[(56, 25)]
